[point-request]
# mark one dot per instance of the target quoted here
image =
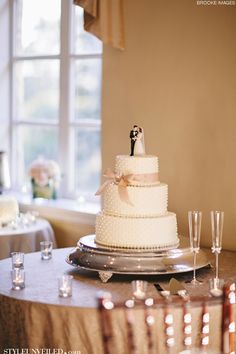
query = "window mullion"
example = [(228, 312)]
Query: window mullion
[(35, 57), (12, 133), (86, 56), (64, 111), (31, 123)]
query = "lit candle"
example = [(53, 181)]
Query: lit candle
[(46, 251), (18, 261), (64, 291), (18, 280)]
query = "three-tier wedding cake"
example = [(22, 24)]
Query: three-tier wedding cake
[(134, 213)]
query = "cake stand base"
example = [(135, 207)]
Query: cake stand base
[(108, 261)]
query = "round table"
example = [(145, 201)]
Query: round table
[(25, 239), (36, 317)]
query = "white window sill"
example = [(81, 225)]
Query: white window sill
[(61, 209)]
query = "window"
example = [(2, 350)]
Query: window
[(56, 93)]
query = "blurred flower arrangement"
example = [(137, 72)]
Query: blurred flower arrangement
[(45, 178)]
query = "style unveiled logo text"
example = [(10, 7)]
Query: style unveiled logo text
[(39, 351)]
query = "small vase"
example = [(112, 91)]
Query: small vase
[(49, 191)]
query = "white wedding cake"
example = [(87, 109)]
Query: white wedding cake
[(134, 213), (9, 209)]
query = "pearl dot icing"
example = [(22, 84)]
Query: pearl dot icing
[(159, 232), (144, 201), (144, 222), (125, 165)]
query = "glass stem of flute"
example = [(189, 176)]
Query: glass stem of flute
[(194, 264), (217, 264)]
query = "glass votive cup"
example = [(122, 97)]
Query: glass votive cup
[(216, 286), (139, 288), (65, 285), (46, 249), (18, 279), (17, 260)]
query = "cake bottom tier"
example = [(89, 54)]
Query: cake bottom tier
[(144, 233)]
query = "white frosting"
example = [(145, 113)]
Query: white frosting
[(143, 233), (146, 164), (144, 223), (9, 209), (144, 201)]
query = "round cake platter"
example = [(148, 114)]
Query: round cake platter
[(108, 261)]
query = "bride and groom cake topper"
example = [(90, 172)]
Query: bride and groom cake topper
[(137, 141)]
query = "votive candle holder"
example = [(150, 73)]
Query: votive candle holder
[(139, 289), (17, 260), (46, 249), (65, 285), (18, 279)]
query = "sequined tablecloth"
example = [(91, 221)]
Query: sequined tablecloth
[(37, 318)]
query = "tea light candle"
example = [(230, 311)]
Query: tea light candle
[(65, 291), (18, 262)]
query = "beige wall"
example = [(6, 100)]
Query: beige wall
[(177, 79)]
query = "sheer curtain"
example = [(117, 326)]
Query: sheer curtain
[(104, 19)]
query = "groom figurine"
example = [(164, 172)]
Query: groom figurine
[(133, 136)]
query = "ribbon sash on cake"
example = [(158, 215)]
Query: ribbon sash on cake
[(124, 180)]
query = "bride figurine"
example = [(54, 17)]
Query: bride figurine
[(139, 147)]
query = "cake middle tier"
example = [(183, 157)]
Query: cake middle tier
[(143, 233), (146, 201)]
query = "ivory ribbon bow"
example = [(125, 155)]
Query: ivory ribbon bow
[(124, 180)]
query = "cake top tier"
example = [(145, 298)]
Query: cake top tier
[(145, 164)]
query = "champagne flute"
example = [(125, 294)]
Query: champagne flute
[(194, 222), (217, 222)]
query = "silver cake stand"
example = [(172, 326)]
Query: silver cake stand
[(108, 261)]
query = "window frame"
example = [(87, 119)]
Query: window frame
[(65, 122)]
